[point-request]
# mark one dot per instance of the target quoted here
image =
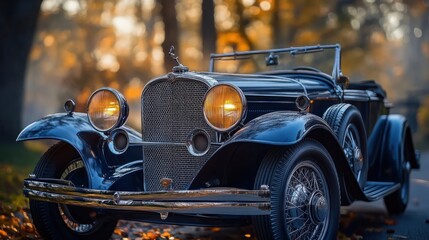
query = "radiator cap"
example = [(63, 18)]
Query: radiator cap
[(179, 68)]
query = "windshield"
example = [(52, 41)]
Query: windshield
[(322, 58)]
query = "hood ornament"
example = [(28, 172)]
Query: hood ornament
[(179, 68)]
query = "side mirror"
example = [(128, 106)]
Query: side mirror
[(344, 81)]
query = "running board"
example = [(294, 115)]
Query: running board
[(376, 190)]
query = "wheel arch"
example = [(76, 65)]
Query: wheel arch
[(348, 184), (396, 146), (238, 160), (76, 131)]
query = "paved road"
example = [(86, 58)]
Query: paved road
[(372, 221), (361, 220)]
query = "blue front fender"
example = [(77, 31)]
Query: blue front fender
[(76, 130), (279, 128), (60, 126), (247, 147)]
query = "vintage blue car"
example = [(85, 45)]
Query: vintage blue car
[(276, 138)]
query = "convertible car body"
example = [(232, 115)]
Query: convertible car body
[(276, 138)]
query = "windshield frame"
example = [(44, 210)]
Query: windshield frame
[(336, 69)]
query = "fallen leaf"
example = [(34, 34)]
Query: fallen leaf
[(390, 221), (118, 231), (151, 235), (166, 235), (28, 228)]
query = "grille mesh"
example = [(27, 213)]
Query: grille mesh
[(171, 111)]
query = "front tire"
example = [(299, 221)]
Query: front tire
[(58, 221), (305, 195)]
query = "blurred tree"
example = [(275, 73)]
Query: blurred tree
[(18, 20), (123, 43), (423, 119), (171, 31), (208, 29)]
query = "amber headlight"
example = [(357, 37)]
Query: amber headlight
[(107, 109), (224, 107)]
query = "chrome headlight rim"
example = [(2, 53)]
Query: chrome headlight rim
[(123, 109), (243, 113)]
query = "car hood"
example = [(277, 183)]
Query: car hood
[(276, 84)]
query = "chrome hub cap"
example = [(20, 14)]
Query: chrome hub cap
[(318, 208), (306, 204)]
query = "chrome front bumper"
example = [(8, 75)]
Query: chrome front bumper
[(224, 201)]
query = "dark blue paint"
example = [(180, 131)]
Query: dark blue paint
[(278, 128), (387, 148), (76, 130)]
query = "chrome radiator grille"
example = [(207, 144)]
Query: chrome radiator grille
[(171, 110)]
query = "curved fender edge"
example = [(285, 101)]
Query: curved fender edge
[(395, 144), (76, 130), (238, 159)]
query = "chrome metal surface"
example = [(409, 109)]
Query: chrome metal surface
[(69, 106), (336, 71), (306, 202), (302, 103), (114, 147), (123, 109), (192, 142), (171, 110), (213, 194), (217, 201), (65, 214), (352, 150), (179, 68), (243, 104)]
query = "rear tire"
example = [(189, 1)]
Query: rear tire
[(397, 202), (58, 221), (347, 124), (305, 195)]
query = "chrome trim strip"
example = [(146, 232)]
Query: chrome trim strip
[(336, 69), (123, 109), (229, 201)]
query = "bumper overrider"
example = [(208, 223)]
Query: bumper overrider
[(224, 201)]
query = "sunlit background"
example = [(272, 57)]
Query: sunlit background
[(80, 45)]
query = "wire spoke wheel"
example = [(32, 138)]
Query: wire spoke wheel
[(347, 124), (352, 150), (59, 221), (75, 172), (305, 194), (306, 202)]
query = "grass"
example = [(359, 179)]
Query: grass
[(17, 160)]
